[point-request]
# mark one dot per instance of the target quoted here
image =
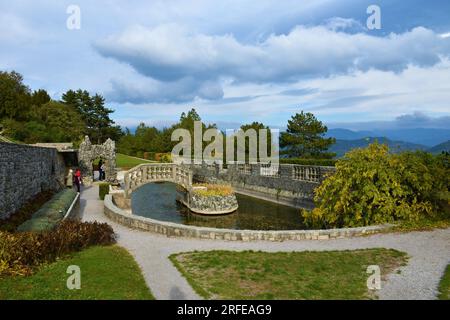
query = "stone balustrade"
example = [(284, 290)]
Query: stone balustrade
[(157, 172), (288, 184)]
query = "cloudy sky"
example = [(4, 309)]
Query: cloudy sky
[(239, 61)]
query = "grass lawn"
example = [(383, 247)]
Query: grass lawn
[(126, 162), (284, 275), (106, 273), (444, 286)]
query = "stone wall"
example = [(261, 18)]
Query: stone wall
[(25, 171), (171, 229)]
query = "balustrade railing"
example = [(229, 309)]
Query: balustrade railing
[(182, 174), (269, 170), (244, 168), (146, 173)]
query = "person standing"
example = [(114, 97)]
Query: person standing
[(103, 172), (77, 179), (100, 169), (69, 179)]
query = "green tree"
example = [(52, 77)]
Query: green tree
[(151, 139), (255, 126), (99, 120), (187, 122), (373, 186), (14, 96), (304, 137), (52, 122), (40, 97), (63, 122), (94, 113)]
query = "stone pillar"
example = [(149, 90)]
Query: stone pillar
[(217, 167), (286, 171), (255, 169), (109, 152), (85, 160)]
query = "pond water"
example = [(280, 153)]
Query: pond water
[(158, 201)]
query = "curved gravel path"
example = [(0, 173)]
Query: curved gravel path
[(429, 255)]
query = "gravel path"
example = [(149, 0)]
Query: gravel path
[(429, 255)]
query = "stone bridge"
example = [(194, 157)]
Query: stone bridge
[(157, 172), (287, 184)]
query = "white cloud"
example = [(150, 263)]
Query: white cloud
[(170, 53), (142, 89), (338, 23)]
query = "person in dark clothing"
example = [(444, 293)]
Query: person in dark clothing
[(100, 171), (77, 179)]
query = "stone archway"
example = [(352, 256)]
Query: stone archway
[(88, 152)]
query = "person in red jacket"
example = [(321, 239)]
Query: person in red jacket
[(77, 179)]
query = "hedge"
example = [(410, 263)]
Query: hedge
[(21, 252), (103, 190), (51, 213), (149, 155)]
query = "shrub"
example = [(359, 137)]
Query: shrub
[(22, 251), (309, 162), (140, 154), (163, 157), (149, 155), (51, 213), (103, 190), (166, 158), (371, 186), (213, 190)]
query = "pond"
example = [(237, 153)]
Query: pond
[(158, 201)]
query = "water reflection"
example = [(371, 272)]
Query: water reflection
[(158, 201)]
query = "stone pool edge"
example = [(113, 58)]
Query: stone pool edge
[(171, 229)]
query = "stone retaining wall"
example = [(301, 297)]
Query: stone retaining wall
[(26, 171), (178, 230)]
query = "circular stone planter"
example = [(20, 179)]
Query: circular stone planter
[(212, 205), (171, 229)]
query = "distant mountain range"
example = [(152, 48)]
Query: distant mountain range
[(343, 146), (421, 136), (431, 140), (445, 146)]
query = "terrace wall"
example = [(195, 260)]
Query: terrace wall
[(26, 171)]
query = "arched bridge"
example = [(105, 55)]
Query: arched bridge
[(157, 172)]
